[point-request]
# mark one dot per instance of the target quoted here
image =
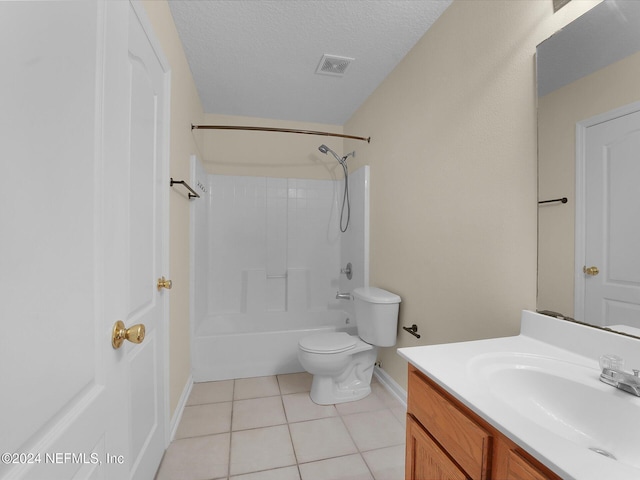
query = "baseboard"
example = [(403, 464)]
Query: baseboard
[(177, 414), (391, 385)]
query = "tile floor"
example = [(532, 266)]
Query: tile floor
[(267, 428)]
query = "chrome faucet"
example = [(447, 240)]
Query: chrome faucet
[(622, 380), (343, 296)]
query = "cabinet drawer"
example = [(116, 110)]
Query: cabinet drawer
[(463, 439)]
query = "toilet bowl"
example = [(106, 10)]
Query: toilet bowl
[(342, 364)]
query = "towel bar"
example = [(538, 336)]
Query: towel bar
[(192, 192)]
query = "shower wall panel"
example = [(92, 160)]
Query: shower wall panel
[(237, 246), (200, 239), (314, 241), (276, 261), (354, 243), (273, 245), (266, 260)]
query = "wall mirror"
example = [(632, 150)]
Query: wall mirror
[(589, 153)]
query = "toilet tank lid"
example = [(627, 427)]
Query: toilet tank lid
[(375, 295)]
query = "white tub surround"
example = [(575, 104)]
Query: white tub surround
[(542, 390), (267, 256)]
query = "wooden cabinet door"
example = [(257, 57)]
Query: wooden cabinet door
[(520, 469), (425, 459), (466, 442)]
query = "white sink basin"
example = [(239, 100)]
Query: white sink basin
[(564, 398)]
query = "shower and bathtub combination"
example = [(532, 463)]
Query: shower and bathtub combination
[(268, 256)]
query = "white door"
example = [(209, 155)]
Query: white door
[(144, 239), (66, 403), (612, 221)]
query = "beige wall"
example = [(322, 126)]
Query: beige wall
[(185, 110), (559, 111), (453, 173), (269, 154)]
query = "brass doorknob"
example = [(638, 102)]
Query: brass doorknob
[(164, 283), (134, 334), (591, 270)]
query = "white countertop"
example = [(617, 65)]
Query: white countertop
[(455, 367)]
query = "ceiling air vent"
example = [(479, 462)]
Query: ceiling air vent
[(333, 65)]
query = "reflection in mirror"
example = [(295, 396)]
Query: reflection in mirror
[(588, 144)]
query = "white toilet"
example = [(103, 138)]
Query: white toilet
[(342, 364)]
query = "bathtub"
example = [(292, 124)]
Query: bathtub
[(245, 345)]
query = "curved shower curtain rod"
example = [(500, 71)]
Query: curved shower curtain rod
[(285, 130)]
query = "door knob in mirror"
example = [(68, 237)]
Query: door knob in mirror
[(593, 271)]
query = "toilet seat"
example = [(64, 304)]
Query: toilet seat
[(334, 342)]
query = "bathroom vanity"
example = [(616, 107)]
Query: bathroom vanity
[(529, 407), (446, 440)]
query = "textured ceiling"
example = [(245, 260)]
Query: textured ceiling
[(258, 58)]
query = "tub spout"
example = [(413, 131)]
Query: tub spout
[(343, 296)]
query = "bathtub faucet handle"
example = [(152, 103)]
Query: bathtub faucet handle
[(348, 271), (343, 296)]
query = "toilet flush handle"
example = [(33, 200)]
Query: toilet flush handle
[(413, 330)]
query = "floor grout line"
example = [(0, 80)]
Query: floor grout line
[(233, 394)]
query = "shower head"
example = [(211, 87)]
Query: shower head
[(324, 149), (345, 198)]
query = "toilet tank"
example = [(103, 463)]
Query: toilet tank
[(376, 312)]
